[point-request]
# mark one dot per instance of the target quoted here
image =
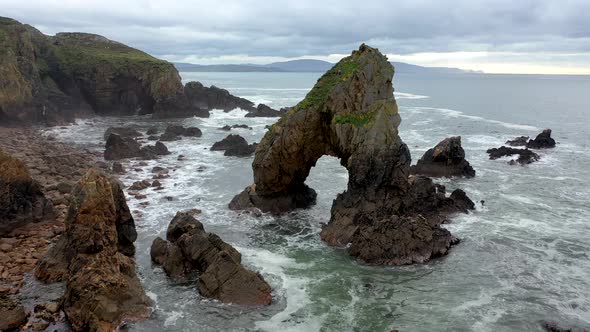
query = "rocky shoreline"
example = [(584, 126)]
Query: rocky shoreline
[(56, 166)]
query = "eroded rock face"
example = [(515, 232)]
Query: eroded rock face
[(91, 256), (190, 251), (21, 198), (446, 159), (351, 113), (542, 141)]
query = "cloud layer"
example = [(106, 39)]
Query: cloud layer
[(533, 33)]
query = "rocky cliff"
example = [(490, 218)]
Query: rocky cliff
[(53, 79), (351, 114)]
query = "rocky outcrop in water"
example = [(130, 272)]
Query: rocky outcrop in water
[(351, 113), (265, 111), (188, 250), (518, 141), (121, 147), (234, 145), (446, 159), (92, 256), (525, 156), (121, 131), (236, 126), (542, 141), (21, 198), (175, 133), (215, 98)]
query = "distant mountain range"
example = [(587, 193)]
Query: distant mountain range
[(308, 65)]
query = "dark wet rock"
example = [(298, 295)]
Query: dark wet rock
[(525, 156), (189, 250), (21, 198), (118, 168), (552, 326), (153, 138), (156, 183), (120, 147), (234, 145), (265, 111), (236, 126), (446, 159), (542, 141), (91, 256), (174, 133), (209, 98), (152, 130), (140, 185), (153, 151), (12, 314), (518, 141), (351, 113), (121, 131), (159, 169)]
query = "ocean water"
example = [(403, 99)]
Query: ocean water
[(524, 255)]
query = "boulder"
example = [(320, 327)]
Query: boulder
[(446, 159), (153, 151), (120, 147), (209, 98), (525, 156), (234, 145), (153, 130), (542, 141), (174, 133), (265, 111), (92, 257), (118, 168), (21, 198), (351, 113), (13, 314), (189, 250), (121, 131)]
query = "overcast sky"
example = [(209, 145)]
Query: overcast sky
[(514, 36)]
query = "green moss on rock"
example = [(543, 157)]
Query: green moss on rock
[(341, 72)]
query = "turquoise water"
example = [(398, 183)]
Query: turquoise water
[(524, 256)]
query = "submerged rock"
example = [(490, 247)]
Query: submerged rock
[(21, 198), (121, 131), (234, 145), (92, 257), (525, 156), (542, 141), (265, 111), (351, 113), (446, 159), (189, 250)]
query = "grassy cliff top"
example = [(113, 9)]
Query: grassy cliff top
[(86, 50)]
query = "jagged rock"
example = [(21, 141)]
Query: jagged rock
[(21, 198), (228, 127), (190, 250), (121, 131), (542, 141), (120, 147), (265, 111), (525, 156), (102, 287), (153, 151), (519, 141), (140, 185), (12, 314), (351, 113), (446, 159), (152, 131), (234, 145)]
